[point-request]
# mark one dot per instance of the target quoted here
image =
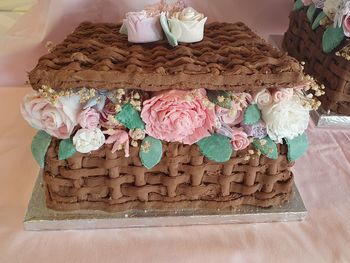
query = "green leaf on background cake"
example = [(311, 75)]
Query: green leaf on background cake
[(318, 20), (151, 152), (170, 37), (40, 143), (332, 38), (130, 117), (297, 147), (216, 148), (267, 147), (123, 29), (252, 114), (220, 97), (298, 4), (66, 149), (311, 11)]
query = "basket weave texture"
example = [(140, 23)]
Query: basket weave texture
[(331, 70), (183, 179)]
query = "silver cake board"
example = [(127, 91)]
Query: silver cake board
[(326, 119), (39, 217)]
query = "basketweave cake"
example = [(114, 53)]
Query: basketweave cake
[(318, 35), (165, 111)]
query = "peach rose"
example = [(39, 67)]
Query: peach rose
[(89, 118), (282, 94), (32, 107), (178, 116)]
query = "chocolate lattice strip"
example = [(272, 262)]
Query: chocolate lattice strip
[(184, 178), (333, 71), (230, 57)]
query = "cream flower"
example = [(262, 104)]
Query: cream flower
[(286, 119), (86, 140), (263, 98), (188, 25), (331, 7)]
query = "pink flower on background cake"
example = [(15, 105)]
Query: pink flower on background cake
[(282, 94), (58, 120), (89, 118), (178, 116), (142, 27), (346, 25), (307, 2), (119, 138), (239, 139), (262, 98)]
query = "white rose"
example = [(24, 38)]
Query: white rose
[(330, 7), (263, 98), (86, 140), (188, 25), (286, 119)]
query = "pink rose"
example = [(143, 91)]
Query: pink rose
[(142, 27), (262, 98), (229, 117), (31, 108), (239, 139), (89, 118), (178, 116), (307, 2), (58, 120), (282, 94), (346, 25)]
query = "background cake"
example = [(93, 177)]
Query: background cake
[(185, 120), (318, 35)]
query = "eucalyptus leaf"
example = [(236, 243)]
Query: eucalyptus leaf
[(311, 11), (170, 37), (318, 19), (297, 147), (216, 148), (130, 117), (267, 147), (40, 143), (220, 97), (66, 149), (252, 114), (298, 4), (151, 152), (332, 38)]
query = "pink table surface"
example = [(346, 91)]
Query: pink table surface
[(323, 178)]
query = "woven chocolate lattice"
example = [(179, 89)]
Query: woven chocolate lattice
[(184, 178), (333, 71), (230, 57)]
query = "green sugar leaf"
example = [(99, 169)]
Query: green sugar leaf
[(318, 19), (130, 117), (123, 29), (151, 152), (170, 37), (311, 11), (66, 149), (220, 97), (298, 4), (216, 148), (252, 114), (267, 147), (297, 147), (40, 143), (332, 38)]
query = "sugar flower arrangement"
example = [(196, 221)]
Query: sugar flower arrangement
[(219, 122), (332, 14), (177, 22)]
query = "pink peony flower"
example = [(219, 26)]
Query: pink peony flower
[(346, 25), (58, 120), (178, 116), (119, 138), (89, 118), (282, 94), (239, 139), (143, 27)]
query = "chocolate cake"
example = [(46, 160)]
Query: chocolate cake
[(326, 56), (127, 125)]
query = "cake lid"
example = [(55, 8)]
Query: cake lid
[(230, 57)]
